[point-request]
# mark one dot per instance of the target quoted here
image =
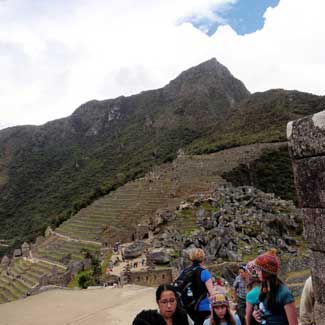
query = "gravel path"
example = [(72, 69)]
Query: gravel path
[(112, 306)]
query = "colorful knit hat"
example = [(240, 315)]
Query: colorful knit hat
[(268, 262), (219, 299)]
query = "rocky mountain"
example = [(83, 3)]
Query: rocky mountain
[(49, 172)]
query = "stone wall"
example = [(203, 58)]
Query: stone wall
[(307, 149), (151, 278)]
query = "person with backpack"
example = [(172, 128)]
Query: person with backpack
[(220, 312), (169, 312), (194, 284), (273, 301)]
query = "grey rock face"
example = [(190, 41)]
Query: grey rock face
[(5, 261), (159, 257), (134, 250), (307, 148), (75, 267), (17, 252)]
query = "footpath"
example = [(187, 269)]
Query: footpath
[(113, 306)]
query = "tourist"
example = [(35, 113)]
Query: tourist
[(307, 304), (273, 300), (202, 285), (219, 286), (239, 293), (220, 312), (169, 312), (253, 281)]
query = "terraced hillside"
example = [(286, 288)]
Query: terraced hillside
[(116, 216), (21, 277), (61, 250)]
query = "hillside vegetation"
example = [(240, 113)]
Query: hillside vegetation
[(48, 173)]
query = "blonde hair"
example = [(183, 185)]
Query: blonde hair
[(196, 255)]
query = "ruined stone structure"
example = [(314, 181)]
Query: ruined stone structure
[(307, 149), (152, 278)]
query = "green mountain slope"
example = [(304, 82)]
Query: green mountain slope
[(49, 172), (262, 117)]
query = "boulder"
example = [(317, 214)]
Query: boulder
[(75, 267), (17, 252), (159, 257), (25, 248), (136, 249), (5, 261)]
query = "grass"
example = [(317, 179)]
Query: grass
[(74, 283), (105, 261)]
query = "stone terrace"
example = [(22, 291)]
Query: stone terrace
[(117, 215), (21, 277)]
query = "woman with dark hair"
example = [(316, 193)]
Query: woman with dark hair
[(169, 312), (273, 301), (220, 312)]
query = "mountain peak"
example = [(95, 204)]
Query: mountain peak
[(209, 74)]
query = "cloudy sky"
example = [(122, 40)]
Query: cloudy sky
[(56, 55)]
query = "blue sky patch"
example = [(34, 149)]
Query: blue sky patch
[(245, 17)]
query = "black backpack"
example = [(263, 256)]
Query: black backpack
[(191, 290)]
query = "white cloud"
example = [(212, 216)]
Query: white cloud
[(55, 55)]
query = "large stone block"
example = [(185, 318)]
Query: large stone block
[(319, 312), (317, 263), (305, 136), (314, 225), (310, 181)]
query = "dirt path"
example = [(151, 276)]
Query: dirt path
[(111, 306)]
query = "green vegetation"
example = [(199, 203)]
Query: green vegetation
[(53, 171), (106, 261), (272, 173), (89, 277)]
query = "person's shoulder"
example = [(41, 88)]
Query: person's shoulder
[(284, 294), (205, 274), (237, 319), (284, 289), (180, 316), (150, 316), (207, 321), (252, 296)]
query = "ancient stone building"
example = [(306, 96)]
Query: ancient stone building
[(151, 278), (25, 248), (307, 149)]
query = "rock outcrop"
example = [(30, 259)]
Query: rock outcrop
[(232, 224), (307, 148)]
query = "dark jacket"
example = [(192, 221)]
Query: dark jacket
[(152, 317)]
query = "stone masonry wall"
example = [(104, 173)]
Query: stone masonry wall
[(307, 149), (152, 278)]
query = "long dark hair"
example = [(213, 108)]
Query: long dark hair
[(229, 318), (269, 289), (180, 315), (162, 288)]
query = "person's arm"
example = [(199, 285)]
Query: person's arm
[(249, 311), (234, 290), (291, 313), (307, 303), (209, 286)]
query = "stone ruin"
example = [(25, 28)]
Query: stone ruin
[(306, 138)]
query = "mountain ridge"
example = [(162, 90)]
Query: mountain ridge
[(49, 172)]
